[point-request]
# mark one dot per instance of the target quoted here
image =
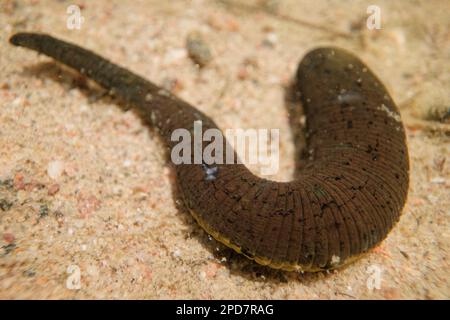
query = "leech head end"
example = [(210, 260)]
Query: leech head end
[(27, 39), (16, 39)]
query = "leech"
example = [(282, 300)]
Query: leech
[(349, 195)]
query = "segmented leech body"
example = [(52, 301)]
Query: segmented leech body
[(349, 194)]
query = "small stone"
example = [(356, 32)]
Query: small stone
[(223, 22), (432, 103), (19, 181), (8, 238), (87, 205), (70, 169), (198, 49), (202, 275), (53, 189), (5, 86), (19, 101), (243, 74), (127, 163), (55, 169), (270, 40), (177, 253)]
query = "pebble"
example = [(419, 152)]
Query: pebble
[(177, 253), (8, 238), (223, 22), (19, 181), (127, 163), (198, 49), (270, 40), (202, 275), (432, 103), (55, 169), (88, 205), (5, 86), (53, 189), (243, 73), (70, 169), (18, 101)]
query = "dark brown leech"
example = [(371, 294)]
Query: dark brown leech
[(349, 194)]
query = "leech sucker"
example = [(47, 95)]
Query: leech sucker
[(346, 200)]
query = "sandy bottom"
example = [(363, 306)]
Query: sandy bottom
[(86, 193)]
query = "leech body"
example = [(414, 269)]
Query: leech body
[(347, 198)]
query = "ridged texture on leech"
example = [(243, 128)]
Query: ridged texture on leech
[(345, 201)]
